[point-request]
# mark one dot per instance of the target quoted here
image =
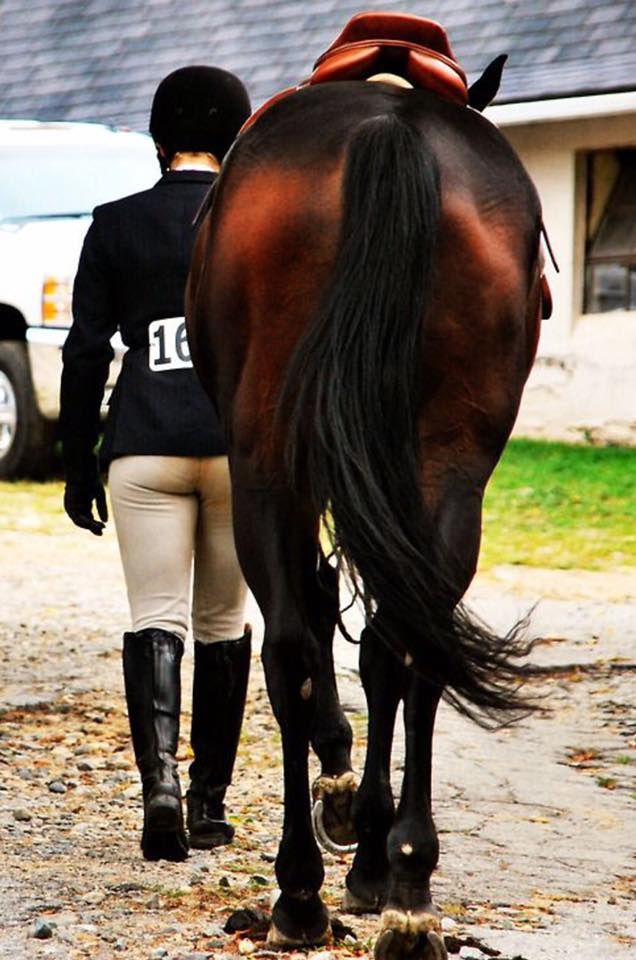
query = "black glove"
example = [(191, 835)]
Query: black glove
[(79, 495)]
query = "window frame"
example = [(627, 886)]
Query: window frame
[(590, 261)]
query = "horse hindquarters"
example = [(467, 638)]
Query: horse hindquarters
[(351, 403)]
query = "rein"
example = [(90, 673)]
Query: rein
[(548, 245)]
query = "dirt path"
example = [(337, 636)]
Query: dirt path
[(537, 823)]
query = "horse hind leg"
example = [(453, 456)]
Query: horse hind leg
[(277, 548), (410, 926), (334, 790), (383, 679)]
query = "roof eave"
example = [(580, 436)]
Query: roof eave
[(554, 109)]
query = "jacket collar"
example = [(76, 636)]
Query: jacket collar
[(187, 176)]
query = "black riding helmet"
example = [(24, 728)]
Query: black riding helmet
[(198, 109)]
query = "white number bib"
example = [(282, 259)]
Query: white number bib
[(168, 344)]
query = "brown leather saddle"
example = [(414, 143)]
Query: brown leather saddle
[(413, 48)]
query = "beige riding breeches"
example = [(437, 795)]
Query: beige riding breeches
[(173, 517)]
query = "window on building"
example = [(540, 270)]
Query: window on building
[(610, 261)]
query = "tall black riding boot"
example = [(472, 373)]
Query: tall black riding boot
[(218, 700), (152, 662)]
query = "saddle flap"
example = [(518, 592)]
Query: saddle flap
[(433, 73)]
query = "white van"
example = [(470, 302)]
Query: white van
[(52, 175)]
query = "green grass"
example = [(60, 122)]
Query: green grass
[(547, 505), (33, 507), (562, 506)]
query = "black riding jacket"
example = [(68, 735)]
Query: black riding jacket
[(132, 275)]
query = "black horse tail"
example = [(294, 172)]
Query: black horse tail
[(350, 402)]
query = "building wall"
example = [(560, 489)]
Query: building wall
[(583, 386)]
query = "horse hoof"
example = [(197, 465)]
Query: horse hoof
[(278, 940), (353, 904), (332, 814), (410, 936), (299, 923)]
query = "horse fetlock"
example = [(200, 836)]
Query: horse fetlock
[(367, 902), (300, 876), (365, 891), (331, 742), (409, 892)]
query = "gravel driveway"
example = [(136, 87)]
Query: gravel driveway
[(537, 823)]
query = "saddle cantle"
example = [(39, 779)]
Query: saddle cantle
[(413, 48)]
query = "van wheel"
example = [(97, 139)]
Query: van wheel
[(26, 437)]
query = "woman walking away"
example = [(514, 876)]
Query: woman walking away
[(168, 473)]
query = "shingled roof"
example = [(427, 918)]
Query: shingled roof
[(101, 59)]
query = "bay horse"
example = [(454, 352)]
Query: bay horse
[(363, 307)]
